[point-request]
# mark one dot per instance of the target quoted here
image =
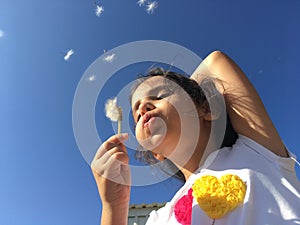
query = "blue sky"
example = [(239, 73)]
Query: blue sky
[(43, 177)]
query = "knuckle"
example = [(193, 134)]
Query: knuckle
[(106, 145), (121, 156), (117, 155), (96, 170), (114, 150)]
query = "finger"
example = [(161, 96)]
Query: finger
[(114, 141), (114, 168), (100, 165), (110, 163), (121, 146), (118, 138), (106, 146), (112, 153)]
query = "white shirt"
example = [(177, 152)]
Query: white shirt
[(273, 190)]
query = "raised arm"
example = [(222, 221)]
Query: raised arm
[(111, 172), (245, 108)]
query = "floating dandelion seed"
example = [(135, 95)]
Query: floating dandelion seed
[(151, 6), (114, 112), (1, 33), (92, 78), (68, 55), (141, 2), (109, 58), (99, 10)]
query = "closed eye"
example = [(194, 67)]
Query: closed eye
[(164, 95)]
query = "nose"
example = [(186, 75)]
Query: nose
[(145, 106)]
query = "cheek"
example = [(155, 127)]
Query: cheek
[(179, 106), (138, 130), (151, 137), (183, 119), (184, 107), (173, 119)]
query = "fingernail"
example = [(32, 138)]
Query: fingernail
[(123, 136)]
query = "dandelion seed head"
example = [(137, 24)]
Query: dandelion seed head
[(112, 110)]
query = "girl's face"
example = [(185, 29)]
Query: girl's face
[(164, 115)]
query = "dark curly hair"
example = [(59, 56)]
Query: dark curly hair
[(200, 99)]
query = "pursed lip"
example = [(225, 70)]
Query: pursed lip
[(146, 118)]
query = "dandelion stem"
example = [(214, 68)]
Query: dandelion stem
[(120, 120)]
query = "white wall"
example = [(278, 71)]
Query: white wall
[(138, 214)]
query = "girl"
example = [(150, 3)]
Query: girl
[(174, 121)]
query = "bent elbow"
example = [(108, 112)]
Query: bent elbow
[(216, 55)]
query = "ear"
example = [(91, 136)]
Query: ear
[(210, 117), (212, 112), (158, 156)]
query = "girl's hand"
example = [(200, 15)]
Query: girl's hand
[(111, 172)]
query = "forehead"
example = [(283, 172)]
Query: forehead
[(147, 87)]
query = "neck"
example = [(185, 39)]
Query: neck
[(194, 162), (192, 165)]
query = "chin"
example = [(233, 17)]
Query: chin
[(152, 142)]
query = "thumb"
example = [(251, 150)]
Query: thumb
[(122, 137)]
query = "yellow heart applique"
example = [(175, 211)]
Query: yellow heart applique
[(216, 197)]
